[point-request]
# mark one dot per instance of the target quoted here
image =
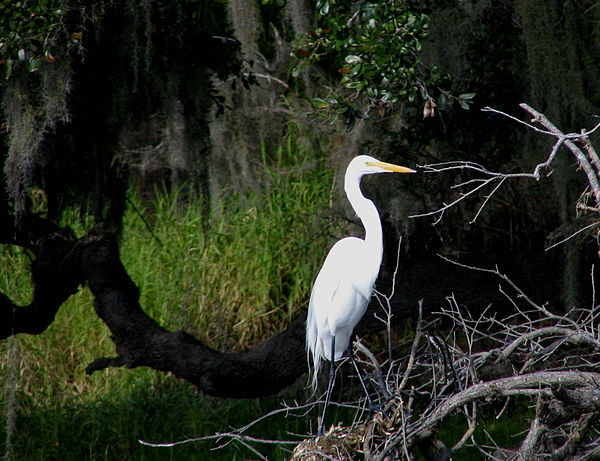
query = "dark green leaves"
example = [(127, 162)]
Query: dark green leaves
[(465, 100), (28, 31), (323, 7), (375, 47)]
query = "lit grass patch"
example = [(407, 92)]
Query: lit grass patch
[(231, 281), (243, 275)]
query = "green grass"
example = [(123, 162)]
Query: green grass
[(243, 276), (109, 428), (231, 282)]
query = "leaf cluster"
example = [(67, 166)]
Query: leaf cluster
[(375, 48), (30, 31)]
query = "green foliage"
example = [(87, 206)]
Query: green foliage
[(376, 48), (36, 31), (30, 31)]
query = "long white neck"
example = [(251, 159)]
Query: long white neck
[(368, 214)]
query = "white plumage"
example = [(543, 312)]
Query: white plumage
[(344, 285)]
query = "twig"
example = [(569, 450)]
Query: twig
[(453, 203), (514, 286), (580, 428), (487, 199), (567, 334), (413, 349), (378, 375), (386, 306), (572, 235), (469, 432), (585, 164), (216, 436)]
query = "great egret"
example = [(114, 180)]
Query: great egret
[(343, 287)]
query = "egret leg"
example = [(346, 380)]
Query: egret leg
[(329, 387)]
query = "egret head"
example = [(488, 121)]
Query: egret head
[(365, 164)]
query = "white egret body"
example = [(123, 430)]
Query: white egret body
[(344, 285)]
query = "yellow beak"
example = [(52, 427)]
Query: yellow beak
[(392, 167)]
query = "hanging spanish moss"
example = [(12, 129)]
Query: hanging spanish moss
[(34, 105), (252, 118), (118, 78)]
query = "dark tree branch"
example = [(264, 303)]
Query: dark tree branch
[(140, 341), (272, 365), (62, 263), (55, 275)]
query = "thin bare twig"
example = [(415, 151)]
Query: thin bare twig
[(582, 159), (589, 226), (590, 163), (413, 349)]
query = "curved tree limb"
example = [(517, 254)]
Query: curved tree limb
[(582, 159), (140, 341), (268, 368), (63, 262), (55, 275)]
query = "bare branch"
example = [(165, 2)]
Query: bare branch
[(530, 446), (589, 226), (505, 387), (583, 161), (461, 197), (590, 164), (469, 432), (413, 349)]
